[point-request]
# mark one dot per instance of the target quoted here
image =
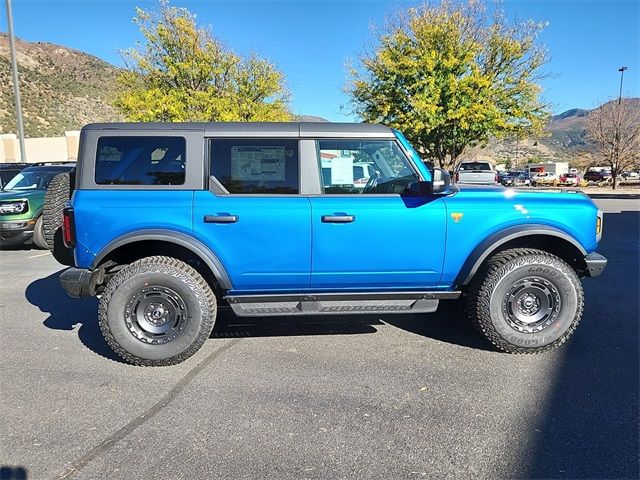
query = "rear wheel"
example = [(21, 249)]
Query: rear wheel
[(157, 311), (525, 301)]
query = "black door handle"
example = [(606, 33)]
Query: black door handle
[(221, 218), (338, 218)]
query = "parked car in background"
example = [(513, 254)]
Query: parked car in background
[(507, 179), (630, 175), (514, 178), (476, 172), (8, 171), (522, 178), (21, 203), (569, 179), (361, 173), (597, 176), (543, 178)]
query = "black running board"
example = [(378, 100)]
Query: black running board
[(337, 303)]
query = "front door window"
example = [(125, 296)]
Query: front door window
[(364, 167)]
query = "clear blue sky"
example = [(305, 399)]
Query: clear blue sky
[(311, 40)]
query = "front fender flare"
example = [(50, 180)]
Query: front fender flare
[(491, 243)]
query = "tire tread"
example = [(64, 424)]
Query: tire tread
[(189, 275), (478, 295)]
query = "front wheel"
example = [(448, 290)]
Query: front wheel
[(157, 311), (525, 301)]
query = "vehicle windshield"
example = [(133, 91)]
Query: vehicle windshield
[(36, 179), (467, 166)]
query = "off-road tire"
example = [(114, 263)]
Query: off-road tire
[(56, 197), (486, 296), (167, 272), (38, 234)]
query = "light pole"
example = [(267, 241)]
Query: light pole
[(16, 86), (621, 70), (616, 149)]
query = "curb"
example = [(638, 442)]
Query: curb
[(614, 196)]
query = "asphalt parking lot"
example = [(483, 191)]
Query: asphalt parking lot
[(354, 397)]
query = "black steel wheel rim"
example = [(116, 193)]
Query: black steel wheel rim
[(531, 304), (155, 314)]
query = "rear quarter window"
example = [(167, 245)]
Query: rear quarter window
[(150, 160)]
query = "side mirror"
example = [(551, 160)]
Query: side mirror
[(441, 181)]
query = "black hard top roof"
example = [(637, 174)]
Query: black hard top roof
[(259, 129)]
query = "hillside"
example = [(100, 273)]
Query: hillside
[(61, 89), (565, 141)]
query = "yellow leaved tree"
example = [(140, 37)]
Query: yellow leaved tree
[(451, 76), (181, 73)]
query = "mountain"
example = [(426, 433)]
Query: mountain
[(568, 129), (309, 118), (60, 88), (565, 141)]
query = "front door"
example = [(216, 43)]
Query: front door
[(257, 223), (367, 235)]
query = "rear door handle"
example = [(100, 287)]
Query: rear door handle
[(338, 218), (221, 218)]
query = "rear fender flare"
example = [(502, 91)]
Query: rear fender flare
[(178, 238)]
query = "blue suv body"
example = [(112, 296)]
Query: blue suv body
[(168, 220)]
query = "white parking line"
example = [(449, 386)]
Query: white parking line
[(39, 255)]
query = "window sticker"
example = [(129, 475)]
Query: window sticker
[(342, 171), (260, 164)]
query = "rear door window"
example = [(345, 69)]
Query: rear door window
[(256, 166), (147, 160)]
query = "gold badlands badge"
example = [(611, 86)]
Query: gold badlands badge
[(457, 216)]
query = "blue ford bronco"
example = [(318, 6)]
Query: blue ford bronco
[(163, 222)]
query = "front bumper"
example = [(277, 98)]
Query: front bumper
[(80, 282), (16, 232), (596, 264)]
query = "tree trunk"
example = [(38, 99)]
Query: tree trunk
[(614, 178)]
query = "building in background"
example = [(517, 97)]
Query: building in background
[(559, 168), (48, 149)]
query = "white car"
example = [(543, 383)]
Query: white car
[(543, 178)]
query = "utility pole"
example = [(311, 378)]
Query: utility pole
[(16, 86), (621, 70)]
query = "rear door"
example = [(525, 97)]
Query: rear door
[(372, 237), (253, 216)]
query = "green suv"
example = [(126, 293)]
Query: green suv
[(21, 202)]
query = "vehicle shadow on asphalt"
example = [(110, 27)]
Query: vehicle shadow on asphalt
[(589, 425), (448, 325), (66, 313)]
